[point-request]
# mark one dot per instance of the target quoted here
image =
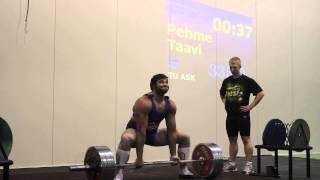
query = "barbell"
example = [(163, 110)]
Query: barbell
[(206, 162)]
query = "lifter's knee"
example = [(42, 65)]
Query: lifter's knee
[(127, 141), (184, 140)]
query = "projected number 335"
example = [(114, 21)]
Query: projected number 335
[(227, 27)]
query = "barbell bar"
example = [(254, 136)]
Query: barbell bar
[(130, 165), (88, 167)]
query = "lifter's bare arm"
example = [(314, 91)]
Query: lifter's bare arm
[(140, 115), (172, 129)]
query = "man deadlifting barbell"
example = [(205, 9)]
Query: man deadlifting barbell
[(148, 111)]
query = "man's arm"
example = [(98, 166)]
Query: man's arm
[(254, 103), (141, 111), (256, 100), (171, 128), (223, 92)]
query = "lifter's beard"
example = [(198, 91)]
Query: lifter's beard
[(161, 92)]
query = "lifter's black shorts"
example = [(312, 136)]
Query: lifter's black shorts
[(238, 123)]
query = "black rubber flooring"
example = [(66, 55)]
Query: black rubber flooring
[(171, 173)]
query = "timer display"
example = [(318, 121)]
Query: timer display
[(227, 27), (201, 39)]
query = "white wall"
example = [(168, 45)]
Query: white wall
[(85, 77), (26, 62), (71, 80)]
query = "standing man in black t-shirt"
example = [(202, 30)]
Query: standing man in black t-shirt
[(235, 94)]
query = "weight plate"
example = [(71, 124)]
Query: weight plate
[(98, 158), (299, 134), (274, 133), (213, 160), (5, 139)]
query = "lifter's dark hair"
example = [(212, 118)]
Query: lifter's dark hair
[(155, 78)]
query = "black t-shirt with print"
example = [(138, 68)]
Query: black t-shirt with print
[(237, 92)]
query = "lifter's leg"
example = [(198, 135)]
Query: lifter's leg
[(127, 141), (183, 141), (184, 153)]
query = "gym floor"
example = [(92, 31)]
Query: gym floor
[(171, 173)]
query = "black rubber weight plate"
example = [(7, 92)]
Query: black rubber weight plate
[(5, 138), (299, 133), (274, 133)]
